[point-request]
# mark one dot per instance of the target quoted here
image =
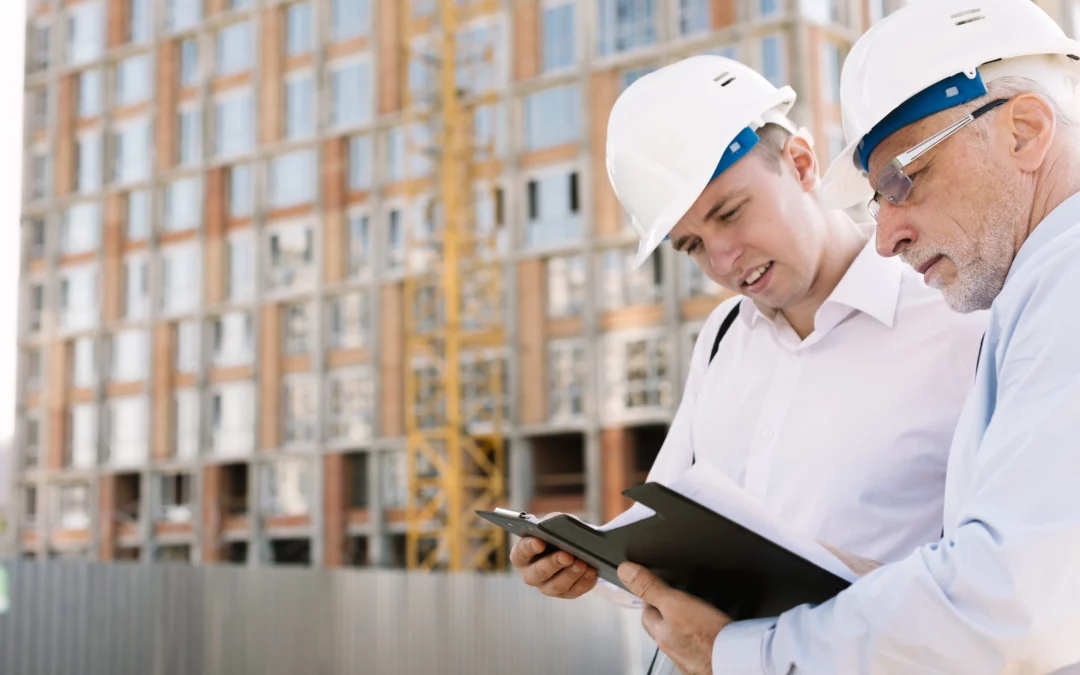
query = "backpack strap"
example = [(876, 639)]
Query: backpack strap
[(728, 320)]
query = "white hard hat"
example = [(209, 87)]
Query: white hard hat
[(933, 55), (675, 129)]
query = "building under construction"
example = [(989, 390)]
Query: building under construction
[(306, 282)]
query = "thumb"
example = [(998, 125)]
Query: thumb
[(644, 584)]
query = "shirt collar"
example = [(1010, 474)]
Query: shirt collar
[(871, 285), (1062, 218)]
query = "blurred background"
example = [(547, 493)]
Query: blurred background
[(303, 283)]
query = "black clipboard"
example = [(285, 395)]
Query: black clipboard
[(691, 548)]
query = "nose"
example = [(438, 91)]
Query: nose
[(723, 252), (894, 233)]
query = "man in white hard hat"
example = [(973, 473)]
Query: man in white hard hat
[(801, 404), (962, 125)]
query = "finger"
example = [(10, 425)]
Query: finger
[(652, 621), (644, 584), (525, 550), (563, 580), (536, 573), (586, 583)]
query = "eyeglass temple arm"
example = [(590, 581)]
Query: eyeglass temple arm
[(920, 149)]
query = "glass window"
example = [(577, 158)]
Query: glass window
[(291, 257), (406, 152), (622, 286), (177, 498), (287, 488), (190, 144), (301, 398), (86, 32), (235, 124), (772, 66), (128, 439), (73, 506), (830, 72), (238, 4), (300, 106), (80, 231), (180, 277), (637, 372), (83, 363), (395, 244), (37, 306), (480, 59), (133, 80), (32, 441), (299, 328), (138, 27), (91, 91), (633, 75), (552, 117), (233, 340), (360, 174), (566, 279), (187, 423), (42, 46), (489, 129), (568, 373), (836, 141), (232, 419), (79, 297), (234, 48), (358, 254), (183, 204), (349, 321), (189, 63), (180, 15), (129, 355), (136, 288), (41, 175), (292, 179), (138, 215), (39, 109), (82, 437), (698, 284), (553, 210), (626, 25), (300, 29), (241, 191), (88, 162), (560, 46), (352, 405), (36, 247), (132, 146), (350, 19), (392, 477), (768, 7), (241, 265), (35, 369), (695, 16), (351, 89), (187, 347)]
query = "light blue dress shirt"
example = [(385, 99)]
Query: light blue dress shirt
[(1000, 593)]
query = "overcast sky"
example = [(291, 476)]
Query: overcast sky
[(12, 38)]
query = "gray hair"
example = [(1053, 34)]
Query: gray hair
[(1013, 85)]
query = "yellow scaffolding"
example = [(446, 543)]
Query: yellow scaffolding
[(453, 309)]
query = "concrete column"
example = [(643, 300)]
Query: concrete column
[(522, 478), (378, 546)]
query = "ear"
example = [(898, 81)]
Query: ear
[(1030, 122), (800, 157)]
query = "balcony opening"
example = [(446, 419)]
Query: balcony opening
[(356, 477), (128, 553), (179, 553), (290, 551), (356, 552), (176, 498), (128, 498), (398, 550), (234, 497), (558, 474), (646, 442), (236, 552)]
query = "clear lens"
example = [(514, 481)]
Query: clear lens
[(893, 184), (873, 207)]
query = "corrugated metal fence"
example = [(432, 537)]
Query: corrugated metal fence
[(116, 619)]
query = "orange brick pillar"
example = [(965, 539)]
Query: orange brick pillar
[(334, 510), (107, 517), (617, 450), (212, 514)]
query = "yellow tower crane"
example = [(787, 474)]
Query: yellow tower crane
[(454, 383)]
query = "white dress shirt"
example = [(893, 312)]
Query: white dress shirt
[(1000, 592), (845, 434)]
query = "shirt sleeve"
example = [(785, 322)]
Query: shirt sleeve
[(1000, 592)]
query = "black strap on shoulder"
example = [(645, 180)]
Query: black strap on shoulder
[(979, 357), (728, 320)]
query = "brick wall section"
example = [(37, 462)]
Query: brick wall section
[(168, 74), (603, 91), (334, 172), (211, 513), (64, 178), (617, 448), (392, 360), (270, 377), (334, 509), (107, 517), (271, 48), (391, 56), (723, 13), (56, 394), (215, 272), (118, 22), (531, 345), (113, 305), (164, 339), (527, 30)]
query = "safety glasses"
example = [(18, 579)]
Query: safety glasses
[(895, 185)]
